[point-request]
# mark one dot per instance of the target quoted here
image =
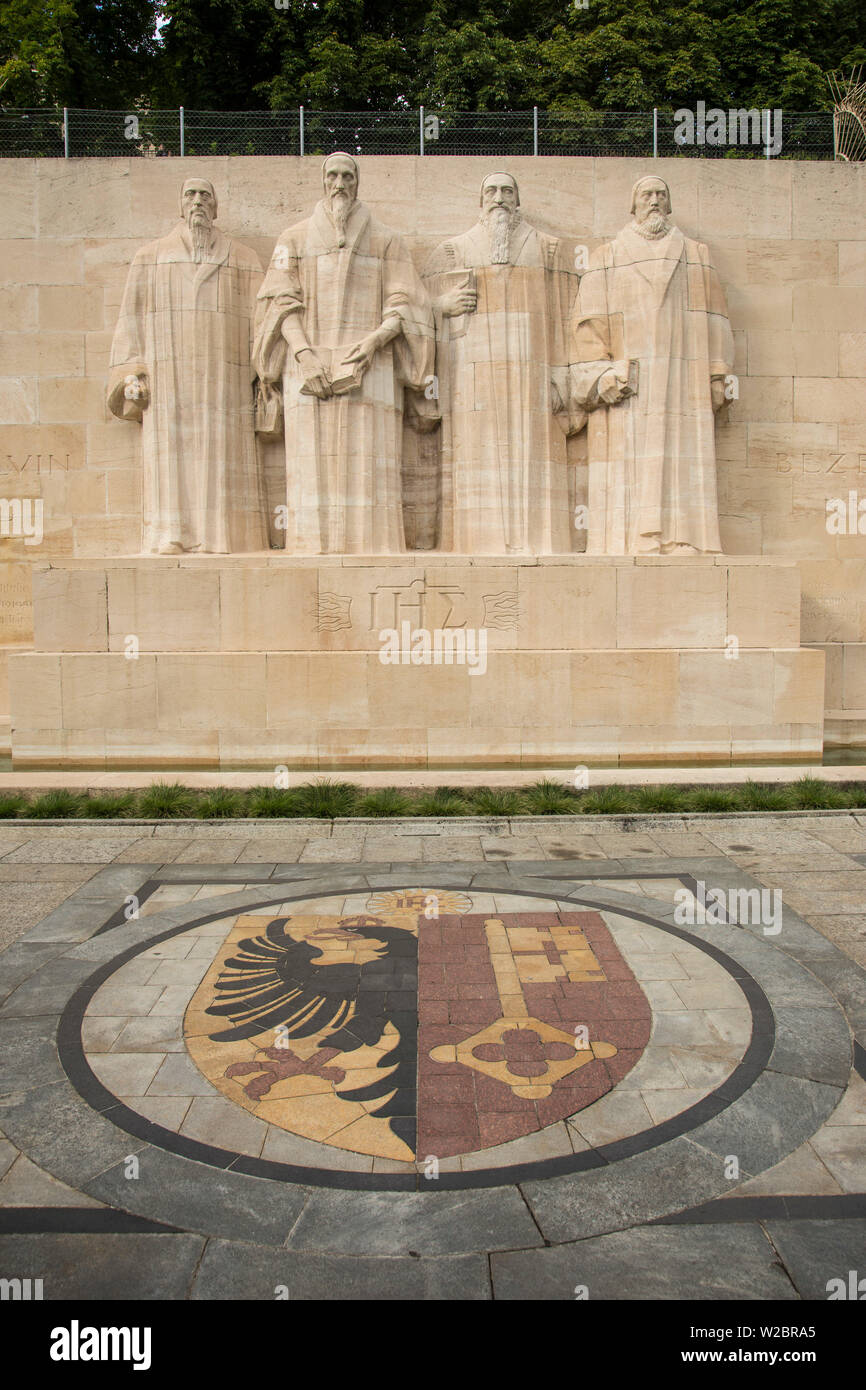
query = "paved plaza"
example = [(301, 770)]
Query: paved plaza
[(543, 1058)]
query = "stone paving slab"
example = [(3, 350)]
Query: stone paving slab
[(788, 1108), (99, 1268), (233, 1271), (814, 1252), (705, 1262)]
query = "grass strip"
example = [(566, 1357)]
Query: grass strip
[(338, 800)]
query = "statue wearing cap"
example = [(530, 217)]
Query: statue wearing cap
[(180, 364), (651, 347), (344, 337), (502, 293)]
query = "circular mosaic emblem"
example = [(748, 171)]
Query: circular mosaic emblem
[(416, 1026), (382, 1037)]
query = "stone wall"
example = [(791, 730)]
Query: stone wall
[(788, 238)]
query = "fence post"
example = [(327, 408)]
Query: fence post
[(535, 130), (655, 132), (301, 126), (421, 127), (182, 135), (65, 133)]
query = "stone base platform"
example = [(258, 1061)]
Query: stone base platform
[(261, 660)]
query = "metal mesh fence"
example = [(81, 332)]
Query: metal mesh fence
[(31, 134), (609, 133), (242, 132), (639, 134)]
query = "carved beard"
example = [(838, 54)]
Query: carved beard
[(654, 226), (499, 224), (341, 206), (199, 230)]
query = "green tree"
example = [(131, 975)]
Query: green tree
[(89, 53), (390, 55), (34, 64), (635, 54), (112, 47)]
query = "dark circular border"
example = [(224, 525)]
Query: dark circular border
[(74, 1062)]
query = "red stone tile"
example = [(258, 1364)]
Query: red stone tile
[(432, 1011), (434, 1034), (446, 1146), (625, 1008), (452, 953), (616, 970), (581, 993), (472, 927), (499, 1128), (446, 1119), (431, 982), (544, 920), (623, 1033), (432, 955), (584, 920), (495, 1097), (472, 972), (474, 1012), (470, 991), (542, 990), (457, 1089)]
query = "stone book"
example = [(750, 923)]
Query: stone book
[(458, 280), (343, 376)]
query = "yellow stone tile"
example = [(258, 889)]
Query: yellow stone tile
[(579, 960), (371, 1136), (538, 969), (525, 938), (513, 1006), (569, 939), (313, 1116)]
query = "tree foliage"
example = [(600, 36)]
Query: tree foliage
[(97, 53), (389, 55)]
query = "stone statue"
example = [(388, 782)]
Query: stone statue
[(502, 295), (651, 347), (344, 326), (180, 363)]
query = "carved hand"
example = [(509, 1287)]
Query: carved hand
[(458, 301), (610, 387), (135, 388), (717, 392), (314, 374), (364, 351)]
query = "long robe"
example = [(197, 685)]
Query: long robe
[(504, 468), (652, 462), (188, 328), (343, 454)]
